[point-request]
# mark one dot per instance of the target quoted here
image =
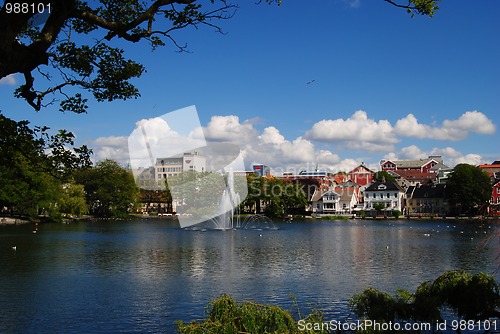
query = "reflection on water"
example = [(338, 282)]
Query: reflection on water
[(141, 276)]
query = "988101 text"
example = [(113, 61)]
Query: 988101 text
[(27, 8)]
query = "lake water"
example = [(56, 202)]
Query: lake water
[(141, 275)]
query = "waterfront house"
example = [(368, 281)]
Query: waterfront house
[(349, 197), (326, 202), (494, 207), (426, 199), (385, 196)]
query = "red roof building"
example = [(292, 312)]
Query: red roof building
[(493, 170), (494, 208), (361, 175)]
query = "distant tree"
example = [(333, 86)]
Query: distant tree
[(157, 198), (383, 176), (276, 195), (110, 189), (72, 199), (72, 43), (468, 190)]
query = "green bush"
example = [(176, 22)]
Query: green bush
[(225, 316), (469, 296), (396, 213)]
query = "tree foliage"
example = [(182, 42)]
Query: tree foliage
[(33, 165), (110, 189), (73, 43), (383, 176), (224, 315), (468, 189), (275, 195), (72, 201), (421, 7), (469, 296)]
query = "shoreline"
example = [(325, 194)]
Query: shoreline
[(13, 221)]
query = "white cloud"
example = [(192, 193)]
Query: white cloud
[(9, 80), (454, 130), (355, 132), (271, 147), (412, 152), (271, 135), (453, 157), (229, 129), (114, 147), (473, 121)]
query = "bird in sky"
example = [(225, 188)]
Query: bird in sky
[(310, 82)]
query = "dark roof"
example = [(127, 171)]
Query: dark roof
[(429, 191), (388, 184)]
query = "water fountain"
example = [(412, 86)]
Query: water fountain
[(228, 206), (259, 223)]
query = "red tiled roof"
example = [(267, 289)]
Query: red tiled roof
[(415, 174), (490, 166)]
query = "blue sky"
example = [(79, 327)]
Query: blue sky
[(385, 85)]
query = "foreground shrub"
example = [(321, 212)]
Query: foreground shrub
[(468, 296), (225, 316)]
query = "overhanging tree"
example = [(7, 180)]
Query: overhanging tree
[(56, 53)]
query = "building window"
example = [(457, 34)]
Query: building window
[(388, 195), (395, 195)]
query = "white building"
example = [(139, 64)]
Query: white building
[(325, 202), (192, 161), (389, 196)]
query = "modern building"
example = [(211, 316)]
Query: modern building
[(145, 178), (261, 170), (166, 167)]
